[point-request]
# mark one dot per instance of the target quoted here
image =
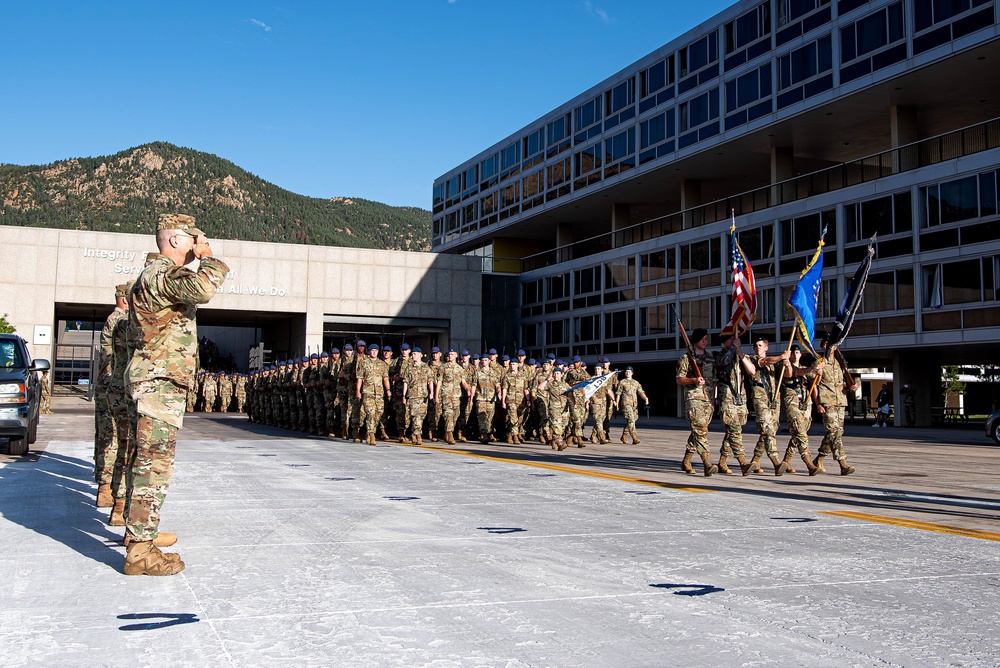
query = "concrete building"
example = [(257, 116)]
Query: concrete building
[(57, 288), (612, 211)]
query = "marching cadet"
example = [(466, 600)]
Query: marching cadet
[(514, 398), (418, 384), (210, 387), (833, 381), (434, 408), (241, 392), (387, 407), (696, 374), (345, 390), (466, 420), (225, 392), (765, 405), (599, 406), (795, 395), (577, 373), (329, 368), (613, 388), (485, 390), (448, 390), (399, 365), (555, 391), (732, 366), (109, 404), (626, 400), (371, 389)]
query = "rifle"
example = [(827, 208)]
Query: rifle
[(690, 350)]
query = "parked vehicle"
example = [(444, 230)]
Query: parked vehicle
[(20, 393), (993, 427)]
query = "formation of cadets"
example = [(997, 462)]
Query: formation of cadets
[(365, 393)]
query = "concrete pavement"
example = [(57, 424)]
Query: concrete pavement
[(312, 552)]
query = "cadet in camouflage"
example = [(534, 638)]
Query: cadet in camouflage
[(697, 378)]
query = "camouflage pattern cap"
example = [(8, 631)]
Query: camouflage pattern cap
[(178, 221), (122, 290)]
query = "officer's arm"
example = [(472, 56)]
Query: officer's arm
[(183, 286)]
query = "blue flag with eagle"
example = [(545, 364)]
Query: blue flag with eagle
[(805, 296)]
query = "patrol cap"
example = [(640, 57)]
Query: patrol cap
[(598, 364), (521, 353), (698, 334), (361, 344), (505, 358), (551, 356), (372, 347), (122, 290), (435, 349), (628, 368), (795, 347), (178, 221), (335, 351), (326, 354), (560, 363), (476, 356), (347, 346), (465, 353), (314, 356), (387, 348), (305, 358), (493, 351), (452, 350), (757, 339), (532, 362), (417, 350), (607, 361), (576, 358), (405, 346)]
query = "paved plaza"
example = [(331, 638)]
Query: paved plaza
[(314, 552)]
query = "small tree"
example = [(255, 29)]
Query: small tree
[(952, 385), (5, 326)]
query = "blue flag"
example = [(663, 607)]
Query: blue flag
[(804, 297)]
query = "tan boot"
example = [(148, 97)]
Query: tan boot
[(382, 435), (579, 442), (560, 445), (104, 497), (808, 462), (722, 465), (710, 468), (755, 465), (371, 439), (635, 439), (779, 466), (461, 437), (686, 463), (163, 539), (417, 439), (789, 454), (117, 518), (449, 438), (510, 439), (624, 433), (818, 463), (744, 465), (593, 436), (845, 469), (144, 558)]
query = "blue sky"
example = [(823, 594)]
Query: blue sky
[(361, 99)]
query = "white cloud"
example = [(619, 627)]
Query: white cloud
[(600, 13), (260, 24)]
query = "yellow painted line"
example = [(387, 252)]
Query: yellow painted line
[(564, 469), (915, 524)]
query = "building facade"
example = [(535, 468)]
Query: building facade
[(793, 116)]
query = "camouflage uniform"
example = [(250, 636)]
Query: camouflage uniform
[(106, 402), (373, 376), (610, 408), (417, 378), (538, 403), (163, 306), (485, 383), (513, 387), (698, 400), (798, 407), (331, 399), (599, 411), (241, 392), (120, 407), (732, 397), (449, 392), (833, 398), (225, 393), (396, 372), (46, 384), (209, 388), (468, 421), (346, 379), (627, 398), (577, 401), (765, 408), (556, 400)]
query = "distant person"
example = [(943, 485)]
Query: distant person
[(882, 407), (46, 394), (164, 303)]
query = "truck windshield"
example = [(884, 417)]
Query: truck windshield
[(10, 355)]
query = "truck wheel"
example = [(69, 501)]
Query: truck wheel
[(33, 431), (18, 446)]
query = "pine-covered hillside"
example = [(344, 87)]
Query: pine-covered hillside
[(125, 192)]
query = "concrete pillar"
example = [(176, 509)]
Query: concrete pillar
[(782, 169), (922, 373), (903, 130), (690, 198), (564, 237), (620, 219)]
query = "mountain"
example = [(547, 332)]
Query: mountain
[(125, 192)]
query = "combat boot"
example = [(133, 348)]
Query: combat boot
[(686, 463), (744, 465), (580, 443), (144, 558), (381, 434), (104, 497), (510, 439), (484, 438), (449, 438), (622, 439), (117, 518), (356, 434), (403, 438), (722, 465), (845, 469), (559, 444), (635, 439), (417, 439), (755, 465), (593, 437), (818, 463), (779, 466), (808, 462), (789, 454), (710, 468), (163, 539)]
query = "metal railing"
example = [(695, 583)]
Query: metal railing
[(923, 153)]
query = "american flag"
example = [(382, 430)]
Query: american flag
[(744, 290)]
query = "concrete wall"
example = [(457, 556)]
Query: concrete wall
[(44, 266)]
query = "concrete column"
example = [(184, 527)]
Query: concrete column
[(564, 237), (691, 197), (620, 218), (782, 169), (922, 373), (903, 130)]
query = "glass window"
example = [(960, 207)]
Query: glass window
[(657, 76), (699, 110), (510, 195), (805, 63), (534, 143), (653, 320), (557, 287), (619, 325), (488, 204), (488, 167), (749, 88), (792, 10), (654, 266), (928, 12), (802, 234), (699, 54), (620, 146), (962, 282), (657, 129), (510, 156), (587, 280), (872, 32), (619, 273), (530, 292), (757, 243), (749, 27), (587, 160), (558, 172), (556, 332), (588, 113), (558, 130), (880, 292), (534, 183), (620, 96)]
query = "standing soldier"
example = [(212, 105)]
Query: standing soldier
[(539, 403), (388, 363), (627, 400), (798, 407), (599, 406), (434, 408), (192, 394), (109, 400), (345, 389), (225, 392), (163, 304), (209, 387), (514, 398), (833, 381), (371, 388), (577, 373), (613, 388), (399, 366), (765, 405), (467, 423), (241, 392), (46, 394), (329, 368), (485, 389), (697, 376), (731, 367), (307, 383), (117, 398), (360, 360), (448, 393), (555, 392), (418, 383)]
